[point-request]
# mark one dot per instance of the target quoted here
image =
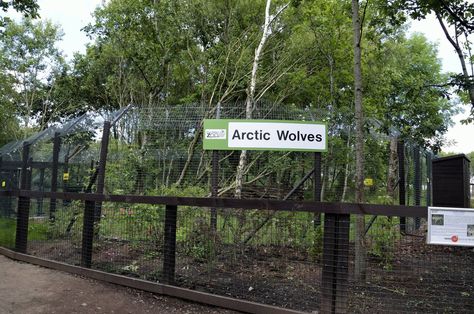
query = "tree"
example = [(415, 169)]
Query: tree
[(457, 14), (250, 100), (360, 251), (30, 59), (8, 121), (29, 8)]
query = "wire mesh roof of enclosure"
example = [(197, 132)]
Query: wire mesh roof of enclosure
[(90, 122), (187, 116)]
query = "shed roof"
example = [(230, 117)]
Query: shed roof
[(458, 156)]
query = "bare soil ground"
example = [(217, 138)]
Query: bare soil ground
[(27, 289)]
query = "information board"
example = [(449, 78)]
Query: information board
[(272, 135), (451, 226)]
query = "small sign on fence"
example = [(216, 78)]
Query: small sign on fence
[(273, 135), (451, 226), (65, 176)]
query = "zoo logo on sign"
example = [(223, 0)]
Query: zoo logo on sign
[(270, 135), (215, 134)]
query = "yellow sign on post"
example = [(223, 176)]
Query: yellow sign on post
[(66, 176), (368, 182), (4, 184)]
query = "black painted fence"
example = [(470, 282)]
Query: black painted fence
[(290, 263)]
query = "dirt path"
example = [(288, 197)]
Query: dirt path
[(27, 289)]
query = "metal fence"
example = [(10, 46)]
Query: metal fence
[(273, 249), (290, 262)]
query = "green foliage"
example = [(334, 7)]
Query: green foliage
[(38, 230), (67, 217), (200, 242), (382, 238), (315, 249), (29, 60), (7, 232), (29, 8)]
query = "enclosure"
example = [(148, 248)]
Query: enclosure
[(133, 193)]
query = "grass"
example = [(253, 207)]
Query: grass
[(7, 232), (37, 230)]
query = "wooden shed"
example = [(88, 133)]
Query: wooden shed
[(451, 187)]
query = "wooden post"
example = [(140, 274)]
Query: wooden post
[(335, 274), (169, 258), (21, 240)]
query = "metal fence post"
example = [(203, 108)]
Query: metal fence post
[(335, 272), (87, 234), (54, 175), (169, 258), (401, 181), (39, 210), (21, 240), (214, 187), (102, 163), (317, 186), (428, 178), (417, 182), (215, 177)]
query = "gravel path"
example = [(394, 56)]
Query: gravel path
[(26, 289)]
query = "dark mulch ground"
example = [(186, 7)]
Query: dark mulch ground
[(418, 278)]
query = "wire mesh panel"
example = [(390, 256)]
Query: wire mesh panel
[(154, 149), (128, 240), (7, 221), (57, 238), (403, 274), (262, 256)]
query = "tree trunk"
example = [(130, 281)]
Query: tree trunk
[(459, 52), (392, 169), (346, 169), (249, 103), (360, 250)]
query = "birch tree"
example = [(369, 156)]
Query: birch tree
[(250, 100), (360, 250)]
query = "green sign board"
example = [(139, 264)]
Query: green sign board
[(271, 135)]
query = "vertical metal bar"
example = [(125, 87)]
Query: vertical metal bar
[(317, 186), (54, 175), (87, 234), (102, 164), (401, 180), (21, 239), (215, 177), (39, 211), (214, 187), (29, 174), (428, 178), (3, 204), (169, 258), (66, 170), (417, 182), (335, 271)]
